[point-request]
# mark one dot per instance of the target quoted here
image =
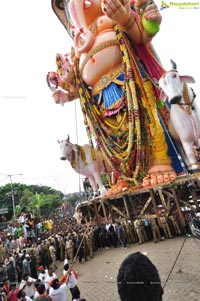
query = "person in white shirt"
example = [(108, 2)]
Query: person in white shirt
[(21, 219), (49, 278), (107, 226), (43, 274), (57, 291), (28, 285), (71, 278)]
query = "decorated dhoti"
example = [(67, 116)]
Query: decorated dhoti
[(121, 114), (111, 110)]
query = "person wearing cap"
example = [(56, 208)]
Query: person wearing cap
[(69, 247), (70, 276), (165, 225), (28, 285), (138, 228), (155, 230)]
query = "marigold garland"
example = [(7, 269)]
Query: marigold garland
[(130, 149)]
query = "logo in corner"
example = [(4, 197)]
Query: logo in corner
[(163, 5)]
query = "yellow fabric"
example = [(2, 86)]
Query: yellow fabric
[(48, 225), (159, 146)]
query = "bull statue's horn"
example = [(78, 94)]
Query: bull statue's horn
[(174, 66), (68, 138)]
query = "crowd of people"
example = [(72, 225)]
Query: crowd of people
[(31, 247)]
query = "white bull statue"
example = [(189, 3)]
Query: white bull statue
[(86, 161), (184, 125)]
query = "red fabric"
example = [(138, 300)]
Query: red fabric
[(6, 288), (12, 295)]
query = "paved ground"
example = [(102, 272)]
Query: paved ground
[(177, 259)]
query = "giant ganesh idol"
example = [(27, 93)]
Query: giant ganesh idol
[(112, 68)]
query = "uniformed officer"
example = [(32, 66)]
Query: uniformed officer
[(175, 225), (138, 227), (155, 230), (165, 225)]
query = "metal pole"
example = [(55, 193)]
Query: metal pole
[(79, 175), (12, 191), (12, 194)]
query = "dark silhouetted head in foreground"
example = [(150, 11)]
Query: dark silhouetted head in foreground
[(138, 279)]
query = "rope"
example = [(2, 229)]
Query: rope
[(174, 262), (79, 178), (74, 259)]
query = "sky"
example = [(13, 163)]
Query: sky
[(30, 121)]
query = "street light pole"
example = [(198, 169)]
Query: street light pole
[(12, 195), (12, 192)]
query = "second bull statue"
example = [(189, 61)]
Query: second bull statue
[(184, 123)]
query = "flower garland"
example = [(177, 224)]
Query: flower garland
[(148, 113), (127, 150)]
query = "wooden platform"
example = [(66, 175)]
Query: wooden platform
[(177, 197)]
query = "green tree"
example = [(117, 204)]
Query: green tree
[(17, 210), (39, 199), (26, 198), (37, 202)]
